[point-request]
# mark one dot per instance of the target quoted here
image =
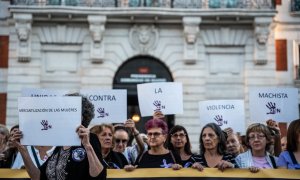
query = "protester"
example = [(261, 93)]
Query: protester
[(4, 135), (233, 144), (290, 158), (179, 142), (112, 159), (283, 143), (9, 155), (213, 148), (258, 138), (69, 162), (38, 155), (157, 156), (121, 138), (275, 147)]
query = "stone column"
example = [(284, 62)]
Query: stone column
[(191, 31), (97, 28), (23, 28)]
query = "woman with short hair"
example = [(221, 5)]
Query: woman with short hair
[(258, 139)]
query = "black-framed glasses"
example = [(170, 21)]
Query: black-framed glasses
[(179, 135), (118, 141), (155, 134)]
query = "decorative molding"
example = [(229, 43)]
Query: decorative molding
[(225, 36), (191, 31), (23, 28), (97, 28), (61, 34), (261, 32), (143, 38)]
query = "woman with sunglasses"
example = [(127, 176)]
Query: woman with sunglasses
[(157, 156), (258, 139), (112, 159), (290, 159), (179, 142)]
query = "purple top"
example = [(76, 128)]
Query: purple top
[(287, 159), (261, 162)]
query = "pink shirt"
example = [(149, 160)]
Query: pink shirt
[(261, 162)]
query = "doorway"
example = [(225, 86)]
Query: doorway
[(138, 70)]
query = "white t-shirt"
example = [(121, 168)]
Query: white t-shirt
[(19, 163)]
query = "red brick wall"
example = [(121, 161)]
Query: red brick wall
[(281, 55)]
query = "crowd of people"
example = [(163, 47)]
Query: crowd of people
[(122, 146)]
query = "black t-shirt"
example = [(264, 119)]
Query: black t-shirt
[(189, 162), (147, 160), (115, 160), (226, 157), (77, 167)]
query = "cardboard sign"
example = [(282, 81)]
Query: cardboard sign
[(165, 97), (32, 92), (110, 105), (279, 104), (225, 113), (49, 121)]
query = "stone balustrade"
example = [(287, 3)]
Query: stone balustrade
[(193, 4)]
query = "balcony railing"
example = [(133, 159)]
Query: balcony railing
[(295, 5), (198, 4)]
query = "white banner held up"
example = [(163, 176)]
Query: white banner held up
[(225, 113), (49, 121), (110, 105), (279, 104), (32, 92), (165, 97)]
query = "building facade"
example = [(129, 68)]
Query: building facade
[(218, 49)]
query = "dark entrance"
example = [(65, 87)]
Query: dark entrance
[(137, 70)]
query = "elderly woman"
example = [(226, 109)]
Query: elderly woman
[(258, 139), (213, 148), (4, 135), (112, 159), (65, 163), (233, 144), (290, 159), (157, 156), (179, 142)]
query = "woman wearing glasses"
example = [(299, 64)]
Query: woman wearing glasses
[(290, 159), (179, 142), (258, 139), (112, 159), (157, 156)]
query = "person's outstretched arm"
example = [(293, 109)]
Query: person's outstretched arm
[(31, 169), (95, 167)]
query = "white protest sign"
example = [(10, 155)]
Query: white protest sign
[(165, 97), (110, 105), (225, 113), (32, 92), (49, 121), (279, 104)]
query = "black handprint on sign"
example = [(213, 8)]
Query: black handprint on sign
[(102, 113), (157, 104), (45, 125), (219, 120), (272, 107)]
